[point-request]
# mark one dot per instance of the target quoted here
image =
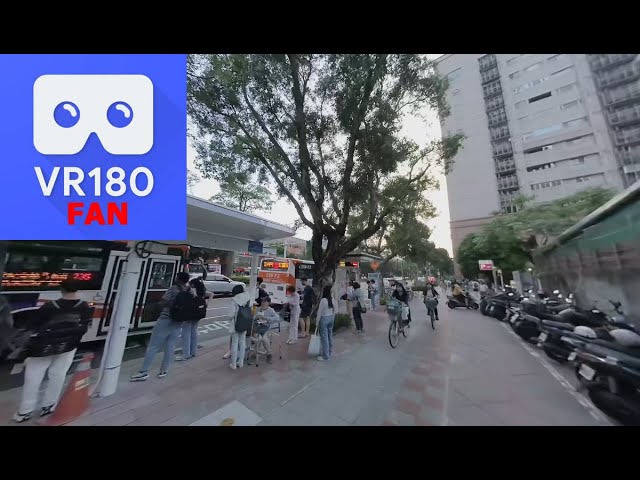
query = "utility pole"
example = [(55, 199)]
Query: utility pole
[(119, 329)]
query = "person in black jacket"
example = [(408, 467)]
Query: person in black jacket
[(400, 294), (307, 307), (57, 332)]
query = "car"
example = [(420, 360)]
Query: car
[(219, 284)]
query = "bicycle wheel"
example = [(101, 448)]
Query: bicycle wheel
[(394, 334), (433, 318), (405, 330)]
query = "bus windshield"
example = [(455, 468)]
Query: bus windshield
[(304, 270)]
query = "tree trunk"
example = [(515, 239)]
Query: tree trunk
[(326, 262)]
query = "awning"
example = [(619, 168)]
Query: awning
[(214, 226)]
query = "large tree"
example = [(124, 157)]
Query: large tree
[(243, 195), (440, 261), (327, 130)]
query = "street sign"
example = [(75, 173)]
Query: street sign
[(255, 247), (485, 265)]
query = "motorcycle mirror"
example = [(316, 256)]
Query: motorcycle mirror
[(569, 300), (510, 294), (556, 292), (595, 311), (559, 295), (571, 295)]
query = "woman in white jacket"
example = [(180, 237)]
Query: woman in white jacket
[(238, 339)]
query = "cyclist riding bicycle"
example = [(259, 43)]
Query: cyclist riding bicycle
[(431, 299), (400, 294)]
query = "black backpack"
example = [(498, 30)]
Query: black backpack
[(187, 307), (244, 319), (62, 333)]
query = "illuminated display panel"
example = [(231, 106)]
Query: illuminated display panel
[(344, 263), (33, 266), (273, 265)]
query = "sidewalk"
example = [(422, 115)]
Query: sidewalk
[(469, 371)]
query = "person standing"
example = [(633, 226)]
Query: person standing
[(307, 306), (265, 317), (240, 299), (293, 302), (190, 328), (357, 298), (374, 295), (58, 330), (6, 325), (165, 332), (325, 319)]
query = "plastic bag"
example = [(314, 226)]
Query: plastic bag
[(405, 312)]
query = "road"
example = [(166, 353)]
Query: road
[(471, 370)]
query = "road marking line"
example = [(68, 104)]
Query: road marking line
[(215, 316), (582, 400)]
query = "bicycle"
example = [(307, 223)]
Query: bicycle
[(394, 310), (431, 303)]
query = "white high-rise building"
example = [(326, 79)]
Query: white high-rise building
[(541, 125)]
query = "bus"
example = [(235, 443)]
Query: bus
[(277, 274), (31, 273)]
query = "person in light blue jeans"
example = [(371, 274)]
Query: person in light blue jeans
[(165, 332), (190, 329), (325, 318)]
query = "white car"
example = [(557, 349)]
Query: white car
[(220, 285)]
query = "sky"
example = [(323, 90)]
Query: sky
[(282, 212)]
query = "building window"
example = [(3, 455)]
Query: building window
[(537, 98), (514, 75), (568, 105), (566, 88), (556, 57), (533, 67), (577, 123), (563, 71)]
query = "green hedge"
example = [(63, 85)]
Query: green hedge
[(242, 279), (342, 320)]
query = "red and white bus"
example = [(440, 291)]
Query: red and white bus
[(31, 273), (277, 274)]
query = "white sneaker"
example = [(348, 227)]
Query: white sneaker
[(232, 366), (320, 358)]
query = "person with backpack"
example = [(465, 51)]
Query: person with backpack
[(240, 323), (167, 328), (308, 295), (6, 325), (58, 329), (190, 326)]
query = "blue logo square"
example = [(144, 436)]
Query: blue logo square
[(93, 147)]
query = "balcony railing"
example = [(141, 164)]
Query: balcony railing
[(625, 115), (629, 157), (499, 152), (503, 133), (497, 119), (494, 103), (487, 62), (612, 97), (491, 89), (504, 167), (489, 75), (625, 74), (607, 60), (627, 136)]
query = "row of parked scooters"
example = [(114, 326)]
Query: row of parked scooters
[(604, 349)]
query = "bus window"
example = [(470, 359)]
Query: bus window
[(161, 276)]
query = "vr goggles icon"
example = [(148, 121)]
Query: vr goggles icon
[(67, 109)]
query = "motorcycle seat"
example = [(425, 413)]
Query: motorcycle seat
[(599, 346), (555, 324), (529, 318), (552, 316), (556, 308)]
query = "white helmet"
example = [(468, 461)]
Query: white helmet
[(626, 338), (585, 332)]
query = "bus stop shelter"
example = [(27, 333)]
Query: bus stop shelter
[(208, 226)]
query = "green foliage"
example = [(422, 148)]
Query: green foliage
[(326, 130), (240, 188), (341, 320), (509, 240), (242, 279), (192, 179)]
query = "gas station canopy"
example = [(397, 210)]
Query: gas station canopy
[(214, 226)]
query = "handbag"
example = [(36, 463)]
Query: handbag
[(314, 343)]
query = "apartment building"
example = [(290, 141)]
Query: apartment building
[(539, 125)]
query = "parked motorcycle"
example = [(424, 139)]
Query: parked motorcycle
[(611, 373), (497, 305), (560, 339), (453, 302)]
